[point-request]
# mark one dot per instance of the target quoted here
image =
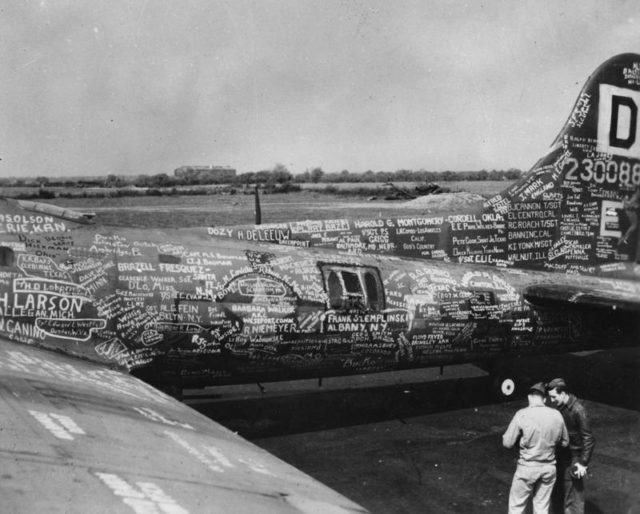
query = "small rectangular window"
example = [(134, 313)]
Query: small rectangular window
[(352, 283), (353, 287), (6, 256), (166, 258)]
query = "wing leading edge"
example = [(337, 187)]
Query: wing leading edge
[(553, 295), (80, 438)]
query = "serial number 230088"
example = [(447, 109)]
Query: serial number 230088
[(601, 172)]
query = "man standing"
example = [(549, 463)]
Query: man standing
[(631, 208), (539, 429), (572, 461)]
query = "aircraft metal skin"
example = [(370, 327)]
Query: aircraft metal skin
[(187, 308), (199, 314)]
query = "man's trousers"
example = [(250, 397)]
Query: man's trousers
[(535, 482)]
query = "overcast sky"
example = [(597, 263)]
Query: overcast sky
[(90, 87)]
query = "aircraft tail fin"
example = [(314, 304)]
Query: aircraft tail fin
[(572, 211)]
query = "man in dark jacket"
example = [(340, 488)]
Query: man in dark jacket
[(572, 461)]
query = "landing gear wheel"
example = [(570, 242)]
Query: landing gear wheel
[(504, 388), (508, 387)]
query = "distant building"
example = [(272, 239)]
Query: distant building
[(205, 173)]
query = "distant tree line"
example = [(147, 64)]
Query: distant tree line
[(277, 177), (317, 175)]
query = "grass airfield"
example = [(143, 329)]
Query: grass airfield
[(176, 211)]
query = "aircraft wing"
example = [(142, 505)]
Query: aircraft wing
[(77, 437), (550, 295)]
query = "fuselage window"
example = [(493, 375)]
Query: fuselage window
[(352, 283), (169, 259), (353, 287), (334, 288), (6, 256), (374, 292)]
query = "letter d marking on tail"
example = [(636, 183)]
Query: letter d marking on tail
[(618, 121), (630, 124)]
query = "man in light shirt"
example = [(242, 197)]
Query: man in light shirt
[(538, 429)]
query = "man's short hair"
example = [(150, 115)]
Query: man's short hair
[(538, 389), (558, 384)]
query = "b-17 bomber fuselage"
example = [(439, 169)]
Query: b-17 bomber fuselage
[(183, 308)]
